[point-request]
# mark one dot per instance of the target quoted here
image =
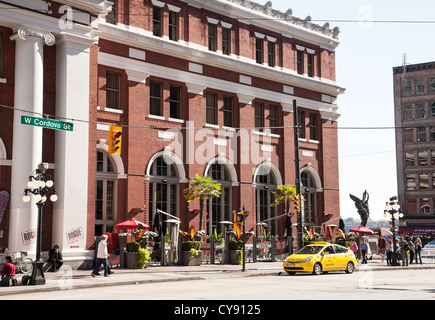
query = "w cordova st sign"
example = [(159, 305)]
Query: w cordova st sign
[(47, 123)]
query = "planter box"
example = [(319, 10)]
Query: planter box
[(131, 260), (188, 260), (234, 256)]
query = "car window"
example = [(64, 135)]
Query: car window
[(329, 249), (339, 249)]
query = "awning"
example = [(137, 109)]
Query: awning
[(419, 231)]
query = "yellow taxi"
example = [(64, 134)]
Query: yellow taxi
[(321, 257)]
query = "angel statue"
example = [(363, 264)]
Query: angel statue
[(363, 207)]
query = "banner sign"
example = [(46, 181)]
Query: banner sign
[(28, 237), (75, 234)]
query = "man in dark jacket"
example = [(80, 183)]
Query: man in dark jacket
[(55, 258)]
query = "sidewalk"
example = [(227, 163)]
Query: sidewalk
[(76, 279)]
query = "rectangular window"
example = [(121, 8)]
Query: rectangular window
[(410, 158), (173, 26), (310, 65), (433, 182), (271, 54), (211, 108), (407, 112), (420, 111), (212, 36), (421, 134), (410, 181), (412, 205), (313, 127), (259, 116), (431, 85), (300, 62), (112, 90), (157, 21), (423, 179), (228, 111), (111, 16), (259, 50), (409, 135), (432, 109), (419, 86), (407, 89), (422, 158), (431, 134), (273, 119), (301, 123), (155, 98), (226, 41), (424, 205), (432, 152), (175, 102)]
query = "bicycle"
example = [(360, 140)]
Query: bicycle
[(22, 265)]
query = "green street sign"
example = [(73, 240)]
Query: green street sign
[(47, 123)]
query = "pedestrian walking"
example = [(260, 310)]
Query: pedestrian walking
[(404, 252), (364, 249), (353, 247), (382, 247), (411, 248), (418, 248), (102, 256), (8, 273), (389, 251)]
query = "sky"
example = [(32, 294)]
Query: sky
[(367, 53)]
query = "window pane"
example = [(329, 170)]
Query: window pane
[(412, 205), (422, 158), (259, 116), (175, 102), (271, 54), (421, 134), (173, 26), (259, 50), (211, 108), (432, 110), (157, 21), (109, 200), (423, 181), (410, 181), (212, 37), (431, 85), (112, 90), (424, 205), (407, 112), (419, 86), (273, 119), (406, 90), (300, 62), (409, 135), (313, 126), (155, 98), (419, 111), (226, 41), (99, 201), (310, 65), (432, 133), (301, 123), (228, 111)]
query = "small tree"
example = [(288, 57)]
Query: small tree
[(286, 193), (202, 188)]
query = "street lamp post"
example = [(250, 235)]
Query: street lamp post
[(41, 186), (393, 208)]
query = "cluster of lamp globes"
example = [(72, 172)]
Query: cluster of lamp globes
[(393, 208), (39, 184)]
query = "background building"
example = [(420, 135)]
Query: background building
[(199, 87), (414, 106)]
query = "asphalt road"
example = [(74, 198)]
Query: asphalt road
[(362, 285)]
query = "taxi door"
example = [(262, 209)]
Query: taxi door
[(329, 258), (340, 258)]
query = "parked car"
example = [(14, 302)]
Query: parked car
[(430, 245), (321, 257)]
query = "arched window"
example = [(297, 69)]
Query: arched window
[(309, 197), (105, 199), (219, 208), (265, 182), (163, 188)]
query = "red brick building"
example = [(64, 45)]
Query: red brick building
[(199, 87)]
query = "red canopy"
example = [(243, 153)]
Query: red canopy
[(362, 230), (131, 224)]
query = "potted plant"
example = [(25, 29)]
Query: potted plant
[(191, 254), (236, 253), (137, 255)]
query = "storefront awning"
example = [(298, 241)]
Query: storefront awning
[(419, 231)]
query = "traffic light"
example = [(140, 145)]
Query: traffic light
[(239, 217), (115, 140), (297, 203)]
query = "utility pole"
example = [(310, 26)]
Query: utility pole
[(297, 173)]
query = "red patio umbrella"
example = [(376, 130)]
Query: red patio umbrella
[(361, 230), (131, 224)]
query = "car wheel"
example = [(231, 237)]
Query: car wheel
[(350, 267), (317, 270)]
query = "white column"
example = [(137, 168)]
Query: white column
[(27, 140), (72, 148)]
